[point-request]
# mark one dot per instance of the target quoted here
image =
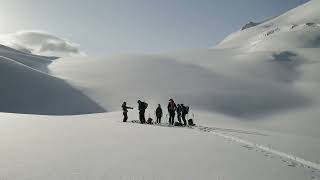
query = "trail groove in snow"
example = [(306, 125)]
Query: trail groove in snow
[(302, 161)]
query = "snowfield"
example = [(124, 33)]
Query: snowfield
[(102, 147), (254, 97)]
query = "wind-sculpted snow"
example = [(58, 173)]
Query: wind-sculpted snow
[(27, 88), (37, 62)]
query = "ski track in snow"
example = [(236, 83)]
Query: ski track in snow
[(285, 157), (290, 160)]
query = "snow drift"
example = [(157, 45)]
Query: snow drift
[(27, 88)]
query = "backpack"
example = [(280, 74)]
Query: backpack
[(150, 121), (179, 109), (190, 122), (187, 109), (145, 105), (178, 124)]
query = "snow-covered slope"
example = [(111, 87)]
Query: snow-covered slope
[(26, 87), (298, 28), (100, 146)]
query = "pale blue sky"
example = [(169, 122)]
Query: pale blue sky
[(104, 27)]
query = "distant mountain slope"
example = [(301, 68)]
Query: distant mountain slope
[(298, 28), (27, 88), (38, 62), (249, 25), (253, 24)]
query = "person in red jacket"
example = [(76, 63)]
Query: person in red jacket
[(172, 111)]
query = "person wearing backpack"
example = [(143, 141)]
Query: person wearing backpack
[(159, 114), (179, 111), (125, 111), (172, 111), (185, 111), (142, 106)]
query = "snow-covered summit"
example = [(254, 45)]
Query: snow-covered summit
[(298, 28), (249, 25)]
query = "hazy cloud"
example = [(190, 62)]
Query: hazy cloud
[(42, 43)]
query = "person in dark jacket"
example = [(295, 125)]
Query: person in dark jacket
[(179, 111), (185, 111), (142, 106), (159, 114), (172, 111), (125, 111)]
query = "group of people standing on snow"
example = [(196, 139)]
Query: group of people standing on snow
[(181, 110), (173, 108)]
